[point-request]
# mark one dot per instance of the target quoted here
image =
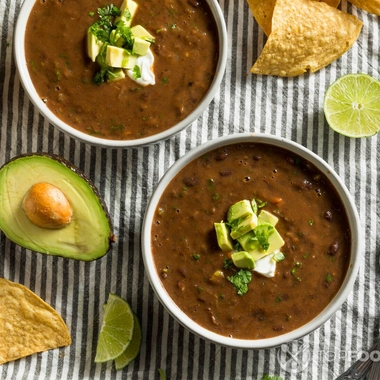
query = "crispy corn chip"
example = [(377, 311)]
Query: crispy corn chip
[(306, 36), (371, 6), (27, 323), (262, 11)]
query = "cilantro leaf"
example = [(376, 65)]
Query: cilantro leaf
[(279, 256), (109, 11), (241, 280), (124, 32), (262, 232), (227, 263), (267, 377), (136, 72)]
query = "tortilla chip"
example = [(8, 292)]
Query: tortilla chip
[(371, 6), (27, 323), (306, 35), (262, 11), (332, 3)]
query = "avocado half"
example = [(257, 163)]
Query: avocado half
[(89, 234)]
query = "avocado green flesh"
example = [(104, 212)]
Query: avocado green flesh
[(88, 235)]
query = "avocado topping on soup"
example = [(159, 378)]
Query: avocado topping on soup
[(118, 48), (251, 239)]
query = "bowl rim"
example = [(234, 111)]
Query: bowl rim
[(320, 319), (25, 79)]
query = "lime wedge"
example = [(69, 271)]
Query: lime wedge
[(352, 105), (116, 331), (133, 348)]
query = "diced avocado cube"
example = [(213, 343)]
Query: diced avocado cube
[(249, 241), (131, 62), (223, 235), (275, 243), (117, 57), (116, 39), (93, 45), (238, 210), (140, 46), (267, 217), (240, 226), (128, 9), (243, 260), (116, 74), (140, 31)]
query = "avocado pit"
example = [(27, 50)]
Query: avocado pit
[(46, 206)]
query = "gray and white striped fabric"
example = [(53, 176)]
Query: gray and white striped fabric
[(289, 108)]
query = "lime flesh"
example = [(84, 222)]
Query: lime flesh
[(133, 348), (352, 105), (116, 331)]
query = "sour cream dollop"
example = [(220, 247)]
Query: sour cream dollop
[(266, 265), (145, 63)]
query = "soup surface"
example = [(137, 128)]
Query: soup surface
[(312, 222), (185, 53)]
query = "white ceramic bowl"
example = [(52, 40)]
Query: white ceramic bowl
[(335, 304), (19, 41)]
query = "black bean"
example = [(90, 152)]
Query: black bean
[(183, 272), (225, 173), (337, 206), (191, 181), (328, 215), (193, 3), (221, 156), (308, 167), (306, 184), (257, 158), (278, 328), (290, 160), (259, 314), (333, 249)]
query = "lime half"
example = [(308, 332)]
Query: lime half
[(133, 348), (116, 331), (352, 105)]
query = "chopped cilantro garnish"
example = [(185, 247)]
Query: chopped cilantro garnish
[(216, 197), (227, 263), (108, 11), (262, 232), (162, 374), (267, 377), (254, 206), (136, 72), (279, 256), (329, 278), (196, 256), (294, 270), (241, 280), (260, 203)]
